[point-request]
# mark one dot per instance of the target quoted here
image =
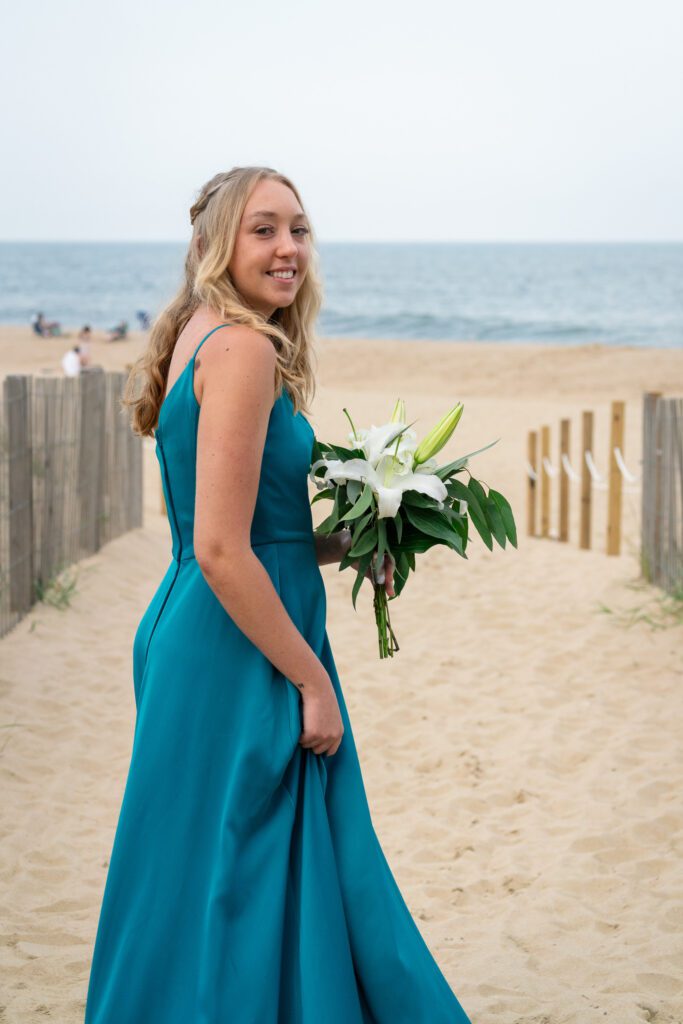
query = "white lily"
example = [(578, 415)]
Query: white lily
[(319, 481), (389, 479), (376, 440), (426, 467)]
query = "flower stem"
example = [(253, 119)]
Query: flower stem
[(386, 637), (346, 413)]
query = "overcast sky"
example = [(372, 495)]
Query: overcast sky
[(429, 120)]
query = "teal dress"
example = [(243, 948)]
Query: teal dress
[(246, 883)]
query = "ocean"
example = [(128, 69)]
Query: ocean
[(563, 293)]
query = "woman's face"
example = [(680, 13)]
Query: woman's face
[(273, 235)]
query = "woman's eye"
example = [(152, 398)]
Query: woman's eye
[(267, 228)]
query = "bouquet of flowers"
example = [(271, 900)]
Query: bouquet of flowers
[(389, 491)]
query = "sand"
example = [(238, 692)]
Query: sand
[(521, 753)]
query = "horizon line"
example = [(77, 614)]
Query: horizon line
[(361, 241)]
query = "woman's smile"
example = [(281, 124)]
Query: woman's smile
[(282, 275)]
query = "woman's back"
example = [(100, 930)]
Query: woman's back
[(282, 509)]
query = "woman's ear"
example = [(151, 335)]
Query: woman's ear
[(199, 243)]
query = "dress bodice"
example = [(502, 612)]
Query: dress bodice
[(282, 511)]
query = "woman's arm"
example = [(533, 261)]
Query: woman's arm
[(236, 402), (332, 547)]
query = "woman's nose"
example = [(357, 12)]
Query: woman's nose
[(286, 244)]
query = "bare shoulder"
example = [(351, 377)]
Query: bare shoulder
[(235, 361)]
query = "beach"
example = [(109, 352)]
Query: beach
[(521, 753)]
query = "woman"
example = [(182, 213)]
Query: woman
[(246, 882)]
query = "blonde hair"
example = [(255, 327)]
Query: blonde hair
[(215, 218)]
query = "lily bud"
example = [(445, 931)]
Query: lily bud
[(438, 436), (399, 413)]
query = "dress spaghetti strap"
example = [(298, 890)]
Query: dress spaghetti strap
[(212, 331)]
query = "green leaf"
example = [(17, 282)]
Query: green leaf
[(479, 493), (399, 584), (458, 524), (401, 571), (316, 452), (360, 526), (418, 500), (398, 523), (361, 505), (381, 541), (483, 531), (330, 524), (495, 521), (452, 515), (344, 454), (493, 516), (353, 490), (457, 489), (363, 564), (416, 544), (327, 526), (433, 524), (477, 511), (336, 508), (461, 525), (322, 494), (506, 515), (366, 542), (345, 561)]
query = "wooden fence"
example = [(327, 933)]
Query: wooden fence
[(662, 503), (618, 479), (70, 479)]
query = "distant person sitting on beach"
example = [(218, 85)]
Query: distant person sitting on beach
[(84, 337), (45, 328), (71, 362), (144, 320), (119, 332)]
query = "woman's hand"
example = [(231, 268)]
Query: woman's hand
[(385, 575), (323, 728)]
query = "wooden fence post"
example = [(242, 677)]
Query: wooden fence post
[(545, 482), (676, 508), (658, 489), (586, 480), (670, 534), (91, 467), (17, 560), (615, 480), (650, 491), (531, 489), (564, 481)]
